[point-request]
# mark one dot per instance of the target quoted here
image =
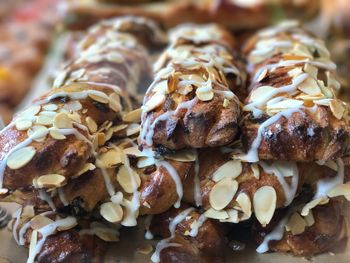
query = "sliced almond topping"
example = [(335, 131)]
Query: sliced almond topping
[(32, 245), (310, 87), (255, 170), (262, 75), (111, 212), (261, 93), (101, 138), (48, 113), (99, 97), (28, 212), (56, 134), (264, 204), (21, 157), (145, 161), (38, 132), (109, 159), (244, 202), (133, 129), (86, 167), (340, 190), (215, 214), (295, 72), (337, 108), (133, 116), (332, 165), (74, 117), (323, 102), (23, 124), (296, 224), (68, 225), (114, 102), (50, 181), (126, 178), (91, 124), (222, 193), (285, 104), (232, 216), (311, 70), (319, 201), (134, 151), (205, 96), (50, 107), (230, 169), (31, 111), (40, 221), (44, 120), (120, 127), (144, 249), (72, 106), (309, 219), (226, 103), (327, 91), (155, 101), (106, 234), (62, 121), (187, 155)]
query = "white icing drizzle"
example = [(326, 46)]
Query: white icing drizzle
[(325, 185), (22, 231), (289, 189), (108, 183), (148, 233), (16, 215), (47, 198), (47, 231), (172, 227), (147, 131), (176, 178), (197, 225), (196, 183), (252, 155)]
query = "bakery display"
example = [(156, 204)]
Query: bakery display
[(185, 134)]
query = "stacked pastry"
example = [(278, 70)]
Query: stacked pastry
[(285, 171), (206, 156)]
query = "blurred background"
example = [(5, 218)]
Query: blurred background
[(36, 36)]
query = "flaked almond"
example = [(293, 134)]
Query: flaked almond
[(310, 87), (86, 167), (107, 235), (74, 117), (120, 128), (28, 211), (245, 204), (309, 219), (230, 169), (323, 102), (205, 96), (264, 202), (222, 193), (69, 224), (99, 97), (155, 101), (72, 106), (215, 214), (44, 120), (187, 155), (114, 102), (21, 157), (226, 103), (145, 161), (134, 151), (48, 113), (40, 221), (285, 104), (133, 129), (50, 181), (101, 138), (337, 108), (109, 159), (62, 121), (319, 201), (38, 132), (144, 249), (32, 245), (133, 116), (91, 124), (111, 212), (50, 107), (296, 224), (233, 216), (23, 124), (261, 93), (56, 134), (128, 179), (262, 75), (255, 170), (340, 190), (311, 70), (31, 111)]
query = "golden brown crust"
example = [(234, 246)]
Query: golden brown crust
[(207, 246), (320, 237)]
